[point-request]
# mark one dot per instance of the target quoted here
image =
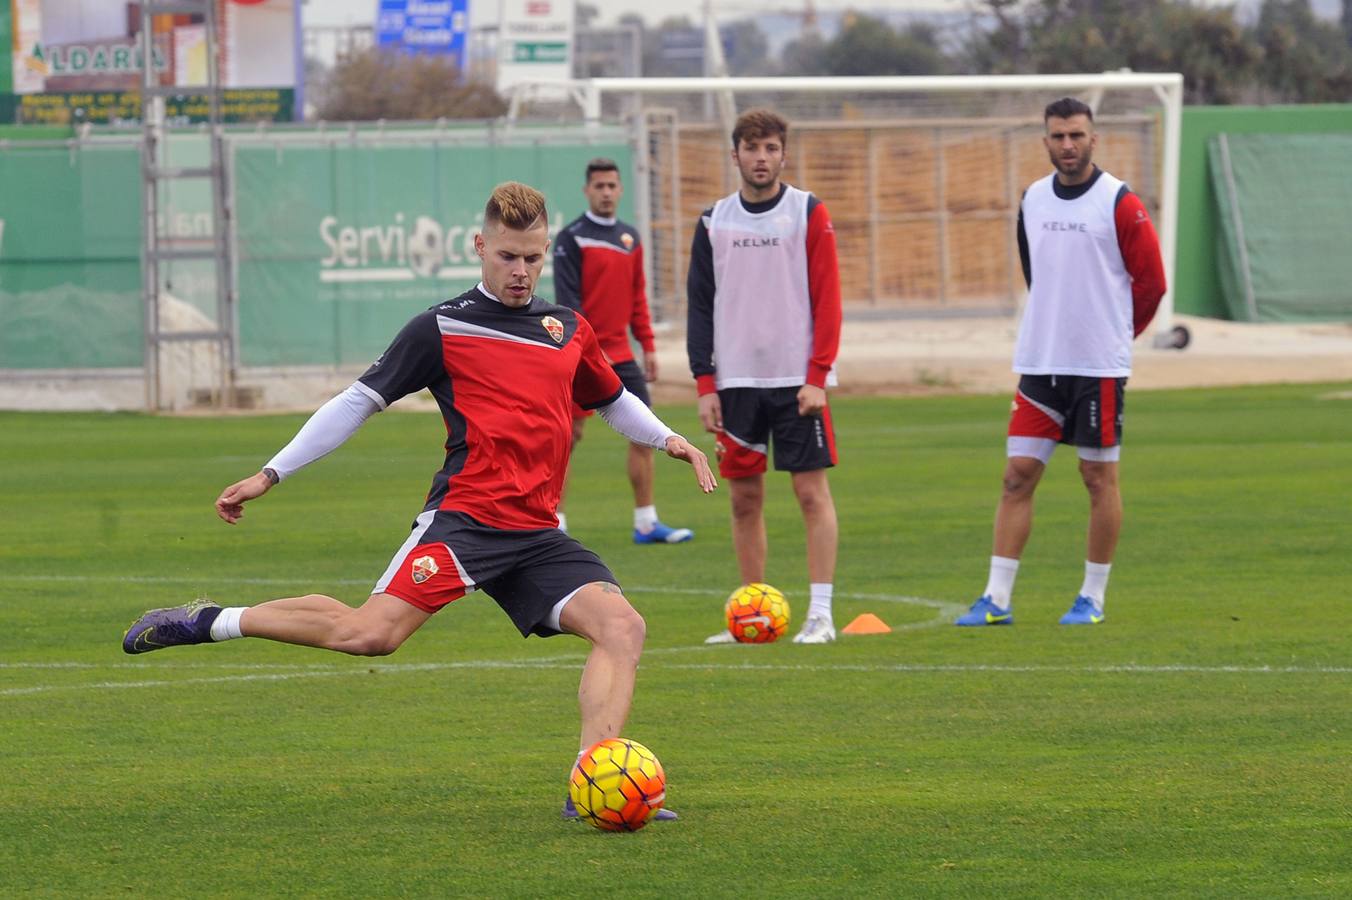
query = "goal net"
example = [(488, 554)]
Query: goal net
[(922, 175)]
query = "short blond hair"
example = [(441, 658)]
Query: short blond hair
[(515, 205)]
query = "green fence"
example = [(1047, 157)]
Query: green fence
[(338, 243), (70, 256), (339, 239)]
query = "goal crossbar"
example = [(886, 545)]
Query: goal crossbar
[(1167, 87)]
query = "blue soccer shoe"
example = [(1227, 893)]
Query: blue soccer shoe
[(985, 612), (661, 534), (1083, 612)]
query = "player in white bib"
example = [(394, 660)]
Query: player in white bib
[(763, 328), (1095, 278)]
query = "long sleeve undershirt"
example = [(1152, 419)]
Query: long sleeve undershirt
[(337, 420)]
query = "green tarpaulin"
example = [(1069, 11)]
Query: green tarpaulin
[(1284, 247)]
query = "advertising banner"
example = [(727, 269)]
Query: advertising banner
[(338, 245), (535, 42), (75, 61), (424, 26), (124, 107)]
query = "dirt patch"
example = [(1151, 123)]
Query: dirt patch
[(907, 357)]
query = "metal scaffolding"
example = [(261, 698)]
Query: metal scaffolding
[(214, 339)]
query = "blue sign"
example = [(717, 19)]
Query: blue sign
[(424, 26)]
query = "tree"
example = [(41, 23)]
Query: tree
[(746, 48), (805, 56), (1305, 60), (999, 50), (376, 84), (1215, 54), (869, 46)]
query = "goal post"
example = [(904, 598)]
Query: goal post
[(930, 167)]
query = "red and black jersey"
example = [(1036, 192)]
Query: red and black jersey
[(598, 270), (506, 380)]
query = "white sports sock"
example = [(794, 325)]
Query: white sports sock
[(574, 765), (1095, 582), (226, 626), (563, 522), (645, 518), (821, 600), (1000, 585)]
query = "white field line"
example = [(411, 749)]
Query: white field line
[(50, 578), (944, 613), (574, 663)]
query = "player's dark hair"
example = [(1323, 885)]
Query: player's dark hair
[(1065, 108), (758, 124), (601, 164), (516, 205)]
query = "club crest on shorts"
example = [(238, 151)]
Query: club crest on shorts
[(424, 567), (554, 327)]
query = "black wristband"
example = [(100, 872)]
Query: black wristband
[(271, 475)]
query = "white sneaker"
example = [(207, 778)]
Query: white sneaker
[(816, 630), (723, 637)]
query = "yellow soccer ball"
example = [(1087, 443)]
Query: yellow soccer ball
[(618, 785), (757, 614)]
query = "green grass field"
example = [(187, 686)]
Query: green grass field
[(1197, 744)]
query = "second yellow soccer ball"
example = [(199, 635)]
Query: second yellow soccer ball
[(757, 614)]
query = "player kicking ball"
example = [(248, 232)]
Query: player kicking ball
[(505, 368)]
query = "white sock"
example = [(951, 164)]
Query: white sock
[(821, 601), (645, 518), (563, 522), (226, 626), (1000, 585), (1095, 582)]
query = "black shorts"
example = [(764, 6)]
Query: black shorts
[(449, 554), (1071, 409), (631, 376), (752, 415)]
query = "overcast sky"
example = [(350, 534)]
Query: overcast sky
[(484, 12)]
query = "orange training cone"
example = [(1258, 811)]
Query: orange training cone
[(868, 623)]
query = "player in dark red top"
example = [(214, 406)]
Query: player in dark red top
[(505, 367), (598, 270)]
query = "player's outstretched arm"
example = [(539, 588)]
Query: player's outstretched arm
[(331, 425), (230, 504), (679, 448), (630, 417)]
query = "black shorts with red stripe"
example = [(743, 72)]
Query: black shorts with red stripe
[(1081, 410), (753, 417), (449, 554)]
